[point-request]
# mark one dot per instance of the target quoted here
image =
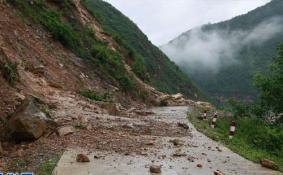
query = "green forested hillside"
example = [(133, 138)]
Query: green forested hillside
[(158, 70), (235, 79)]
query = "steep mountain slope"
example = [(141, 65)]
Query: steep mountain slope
[(62, 77), (146, 60), (48, 46), (222, 58), (109, 53)]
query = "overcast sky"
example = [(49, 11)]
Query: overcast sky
[(163, 20)]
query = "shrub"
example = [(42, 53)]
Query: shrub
[(93, 95), (10, 72)]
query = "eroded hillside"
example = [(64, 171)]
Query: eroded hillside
[(60, 68)]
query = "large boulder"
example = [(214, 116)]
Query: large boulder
[(173, 100), (115, 109), (28, 122)]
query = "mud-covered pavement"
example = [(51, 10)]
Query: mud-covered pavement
[(192, 154)]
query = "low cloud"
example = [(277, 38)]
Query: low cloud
[(216, 48)]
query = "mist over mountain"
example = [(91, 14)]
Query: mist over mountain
[(222, 58)]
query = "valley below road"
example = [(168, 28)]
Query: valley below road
[(160, 139)]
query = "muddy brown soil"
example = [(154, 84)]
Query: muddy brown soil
[(130, 134)]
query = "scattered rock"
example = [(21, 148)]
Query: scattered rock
[(218, 149), (162, 157), (143, 113), (20, 97), (179, 153), (150, 143), (218, 172), (177, 142), (82, 158), (143, 154), (66, 130), (269, 164), (28, 122), (208, 160), (89, 127), (183, 125), (155, 169), (20, 153), (97, 157), (191, 158), (115, 109), (129, 126), (83, 119), (39, 70), (199, 165)]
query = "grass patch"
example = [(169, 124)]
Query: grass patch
[(80, 126), (47, 167), (254, 139), (94, 95), (10, 72)]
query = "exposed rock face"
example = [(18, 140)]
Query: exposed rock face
[(28, 122), (269, 164)]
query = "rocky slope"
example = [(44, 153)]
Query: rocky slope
[(51, 52)]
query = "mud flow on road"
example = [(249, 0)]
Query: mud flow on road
[(185, 152)]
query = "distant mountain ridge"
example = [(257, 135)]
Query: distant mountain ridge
[(153, 66), (223, 57)]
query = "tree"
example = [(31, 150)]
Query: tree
[(271, 84)]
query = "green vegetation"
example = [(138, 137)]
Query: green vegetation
[(236, 80), (94, 95), (10, 72), (146, 60), (254, 139), (271, 85), (79, 39), (80, 126), (257, 135), (47, 167)]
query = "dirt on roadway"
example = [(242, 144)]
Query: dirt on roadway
[(164, 142)]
